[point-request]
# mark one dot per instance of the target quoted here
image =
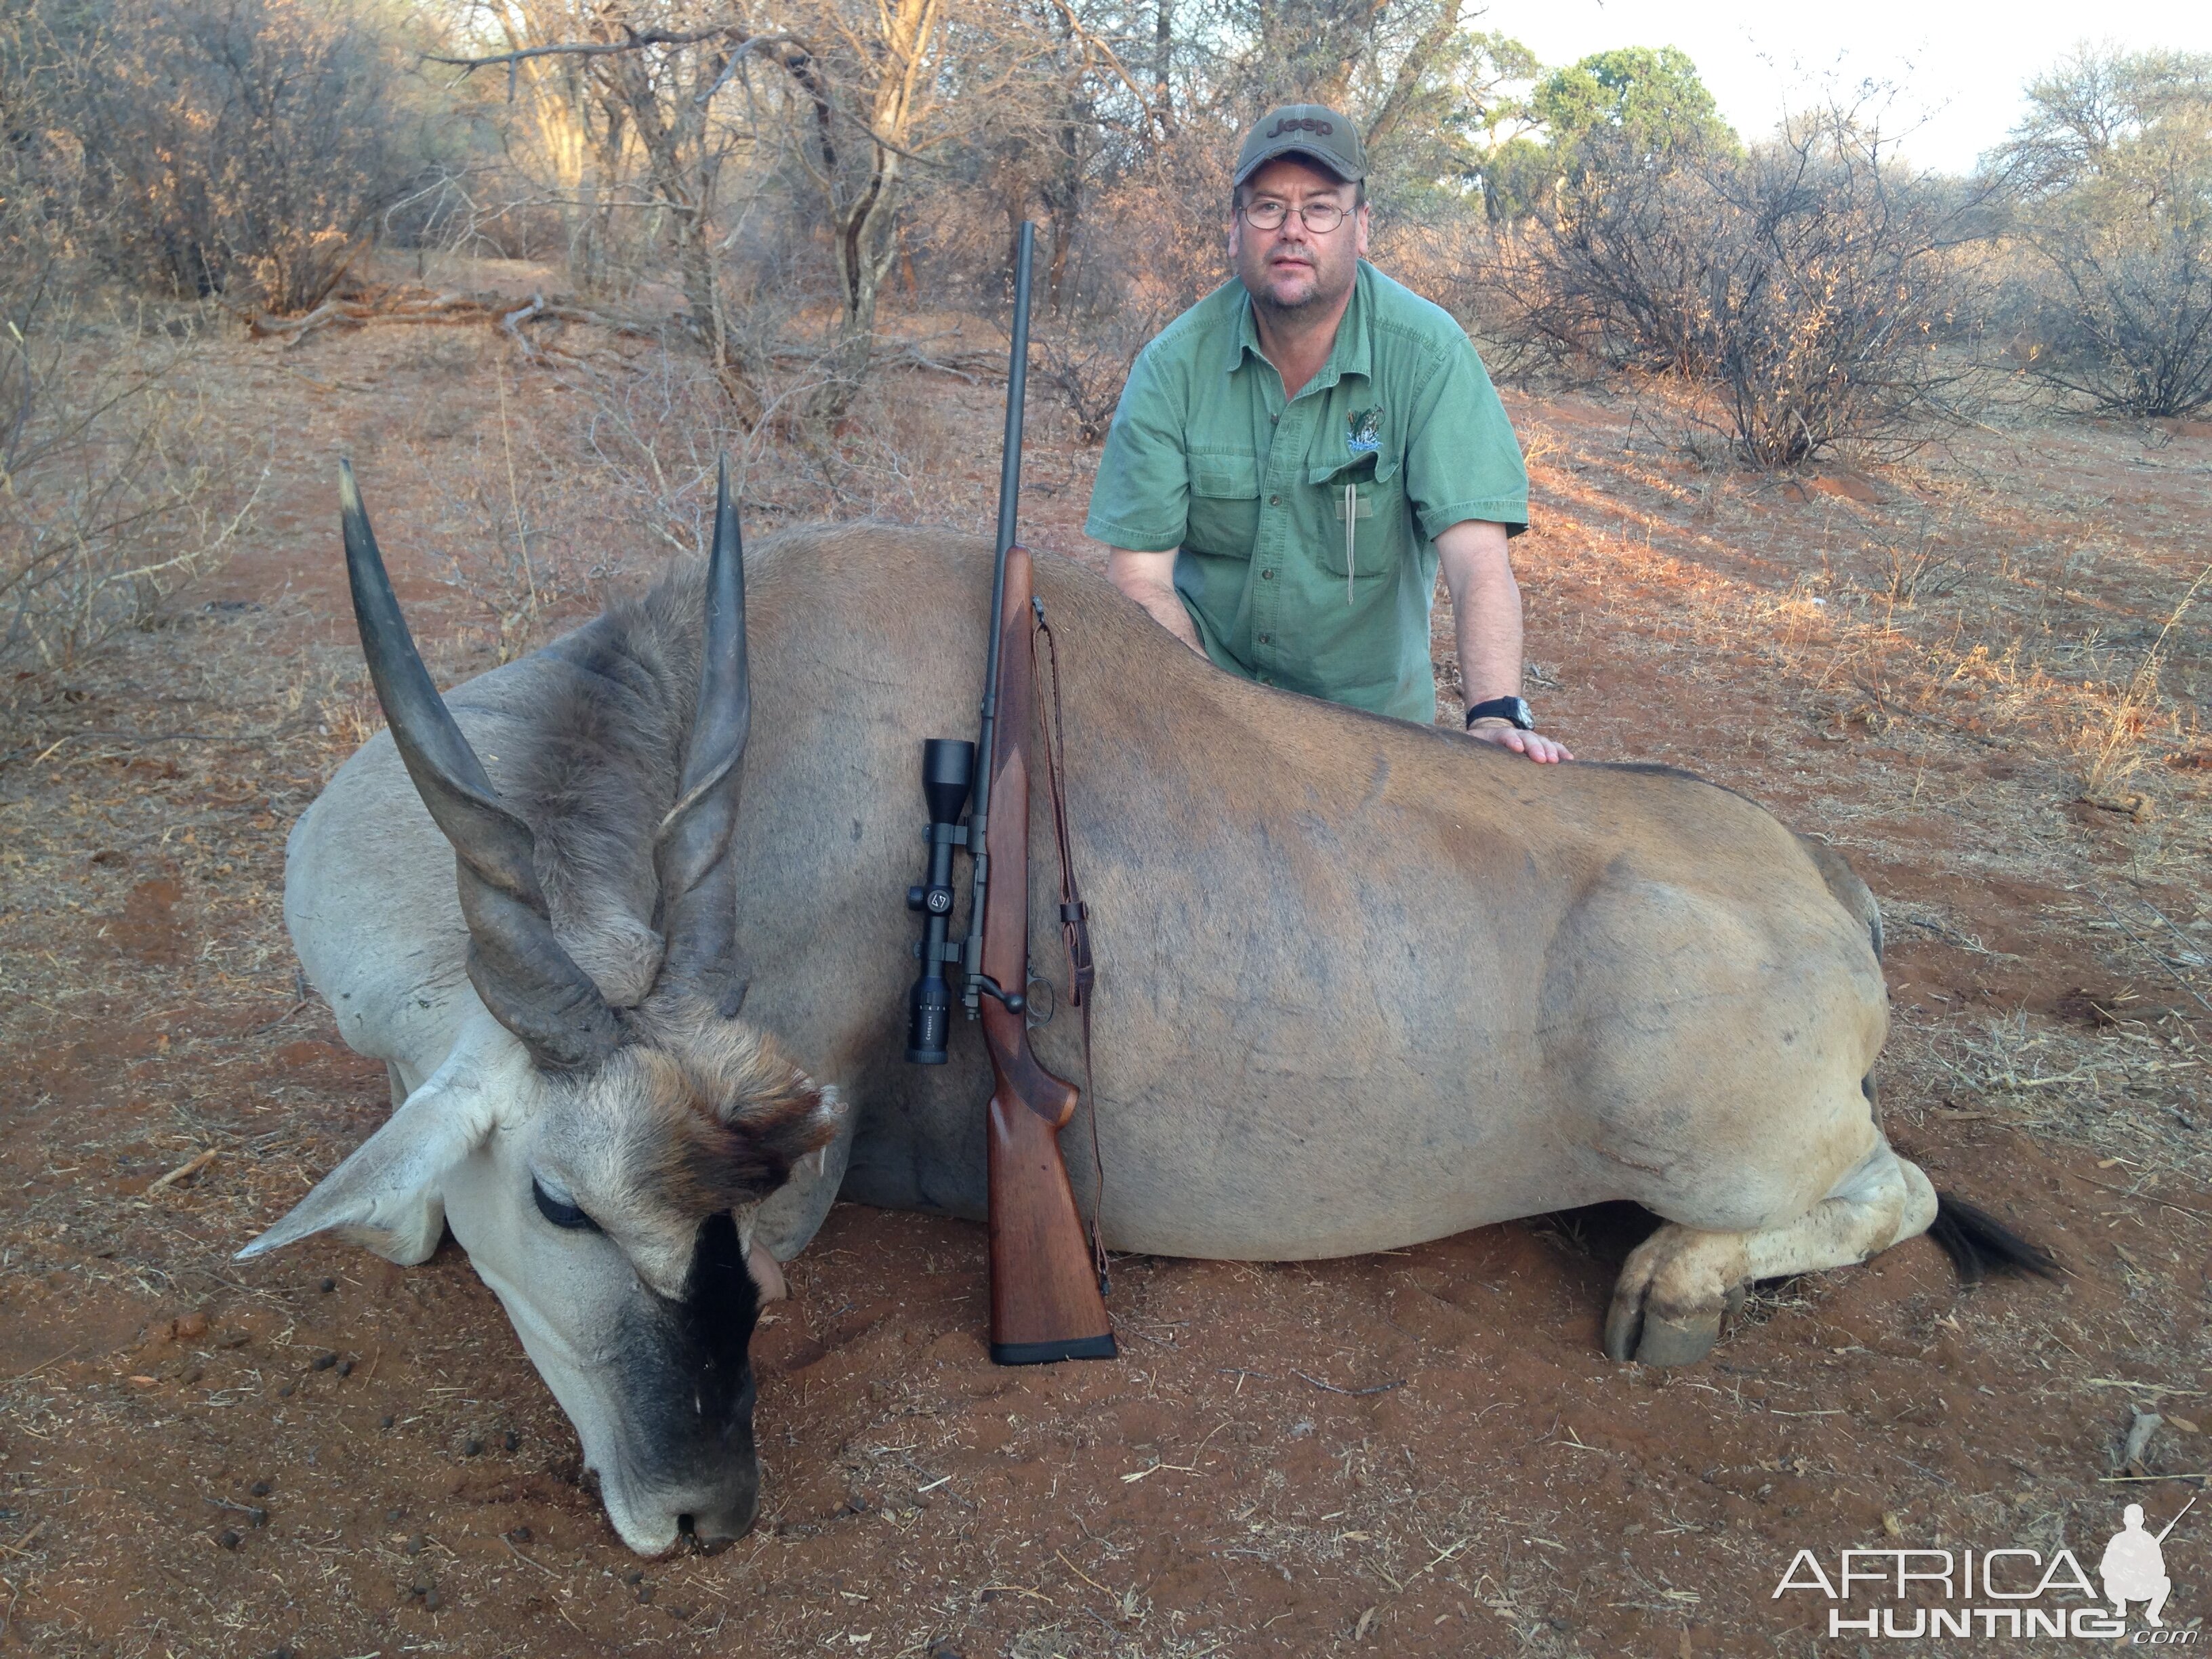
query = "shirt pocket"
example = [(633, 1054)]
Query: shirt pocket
[(1224, 505), (1375, 496)]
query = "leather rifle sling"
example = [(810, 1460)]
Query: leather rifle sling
[(1074, 914)]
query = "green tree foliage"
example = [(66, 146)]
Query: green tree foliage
[(2115, 164), (1517, 176), (1635, 102), (1633, 108), (1448, 140)]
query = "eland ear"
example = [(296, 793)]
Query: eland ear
[(786, 1133), (388, 1196)]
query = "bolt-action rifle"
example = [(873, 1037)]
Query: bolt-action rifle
[(1045, 1300)]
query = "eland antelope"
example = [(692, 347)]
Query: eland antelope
[(1362, 983)]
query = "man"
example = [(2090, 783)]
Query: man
[(2134, 1567), (1295, 456)]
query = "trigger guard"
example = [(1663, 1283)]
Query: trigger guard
[(1051, 1001)]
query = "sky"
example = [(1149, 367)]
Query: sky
[(1957, 65)]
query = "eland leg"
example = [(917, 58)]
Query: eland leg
[(1675, 1287)]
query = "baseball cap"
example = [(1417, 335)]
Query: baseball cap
[(1314, 130)]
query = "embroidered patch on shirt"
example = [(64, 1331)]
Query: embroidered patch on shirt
[(1366, 431)]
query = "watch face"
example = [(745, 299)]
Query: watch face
[(1512, 710)]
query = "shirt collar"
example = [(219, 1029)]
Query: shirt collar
[(1350, 355)]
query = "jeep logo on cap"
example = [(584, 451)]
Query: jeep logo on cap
[(1302, 124)]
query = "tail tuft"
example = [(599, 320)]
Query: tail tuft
[(1979, 1244)]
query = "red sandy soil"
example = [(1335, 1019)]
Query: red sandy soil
[(1418, 1453)]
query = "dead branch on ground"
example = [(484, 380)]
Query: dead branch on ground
[(498, 311)]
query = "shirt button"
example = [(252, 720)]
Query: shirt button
[(1267, 575), (1267, 638), (1274, 500)]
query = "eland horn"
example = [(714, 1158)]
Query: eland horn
[(691, 853), (528, 982)]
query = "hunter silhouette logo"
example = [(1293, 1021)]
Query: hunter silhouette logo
[(2134, 1566), (1302, 124)]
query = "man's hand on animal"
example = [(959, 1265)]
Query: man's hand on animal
[(1295, 457), (1487, 615), (1533, 745)]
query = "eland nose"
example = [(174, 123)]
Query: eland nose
[(730, 1518)]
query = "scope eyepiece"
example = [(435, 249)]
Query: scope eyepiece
[(929, 1019)]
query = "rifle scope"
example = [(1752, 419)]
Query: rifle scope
[(948, 766)]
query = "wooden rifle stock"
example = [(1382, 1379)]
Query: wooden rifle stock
[(1045, 1304)]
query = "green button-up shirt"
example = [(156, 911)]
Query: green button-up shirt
[(1398, 437), (1306, 527)]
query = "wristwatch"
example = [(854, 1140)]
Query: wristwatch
[(1511, 709)]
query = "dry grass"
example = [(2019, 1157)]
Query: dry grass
[(1203, 1497), (2113, 748), (120, 486)]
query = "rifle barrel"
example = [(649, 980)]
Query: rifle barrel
[(1010, 492), (1018, 375), (2175, 1521)]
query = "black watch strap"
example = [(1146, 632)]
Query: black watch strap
[(1512, 709)]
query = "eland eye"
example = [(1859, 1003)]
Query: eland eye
[(559, 1212)]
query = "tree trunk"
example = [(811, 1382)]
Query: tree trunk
[(864, 224), (1163, 66), (683, 168), (1407, 86), (1063, 199)]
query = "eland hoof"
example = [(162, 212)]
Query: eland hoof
[(1676, 1341), (1624, 1323), (1652, 1339)]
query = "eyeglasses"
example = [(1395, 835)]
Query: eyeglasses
[(1320, 217)]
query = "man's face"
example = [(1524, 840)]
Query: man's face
[(1291, 268)]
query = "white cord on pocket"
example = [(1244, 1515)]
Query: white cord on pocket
[(1351, 532)]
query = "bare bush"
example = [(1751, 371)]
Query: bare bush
[(2115, 162), (2127, 322), (114, 491), (1808, 282), (1086, 361), (1165, 225), (236, 146), (2124, 319), (113, 495)]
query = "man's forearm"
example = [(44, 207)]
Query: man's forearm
[(1487, 618), (1486, 613), (1489, 638), (1149, 579)]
